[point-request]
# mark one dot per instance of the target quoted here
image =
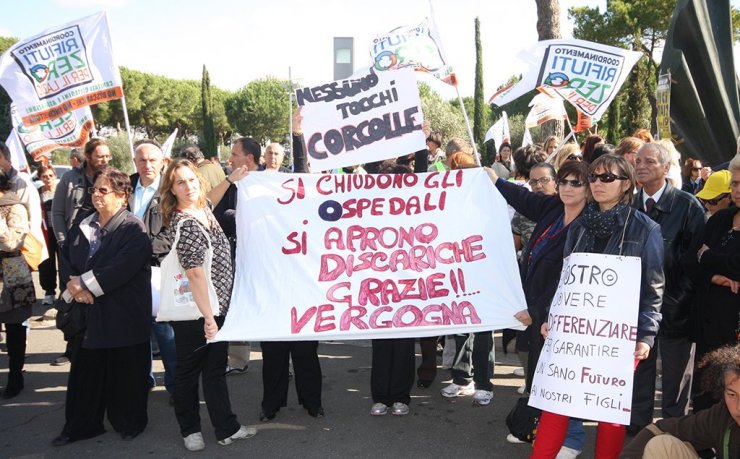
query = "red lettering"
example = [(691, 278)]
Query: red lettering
[(297, 324), (320, 326)]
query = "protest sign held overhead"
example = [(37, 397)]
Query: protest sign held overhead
[(417, 46), (371, 117), (69, 130), (61, 69), (586, 74), (371, 256), (586, 366)]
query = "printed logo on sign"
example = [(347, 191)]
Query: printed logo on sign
[(55, 62), (584, 76), (411, 47)]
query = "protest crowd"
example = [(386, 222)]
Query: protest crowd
[(175, 260)]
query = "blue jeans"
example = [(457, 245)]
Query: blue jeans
[(576, 436), (164, 335)]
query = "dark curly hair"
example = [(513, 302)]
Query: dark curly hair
[(120, 183), (715, 367)]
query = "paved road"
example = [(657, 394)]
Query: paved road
[(436, 427)]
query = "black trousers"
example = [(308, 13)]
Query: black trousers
[(275, 379), (16, 340), (536, 343), (392, 373), (196, 359), (107, 381), (48, 267), (474, 360), (427, 371)]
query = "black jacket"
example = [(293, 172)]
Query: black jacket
[(153, 223), (118, 275), (540, 279), (641, 239), (681, 219)]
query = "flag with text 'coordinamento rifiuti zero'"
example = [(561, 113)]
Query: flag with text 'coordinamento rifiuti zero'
[(69, 130), (61, 69), (586, 74)]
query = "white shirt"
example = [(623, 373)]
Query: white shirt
[(656, 196), (143, 196)]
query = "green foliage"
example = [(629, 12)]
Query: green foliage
[(60, 156), (6, 124), (120, 152), (442, 116), (480, 121), (260, 110), (210, 143)]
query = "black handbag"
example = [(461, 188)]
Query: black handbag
[(71, 317), (523, 419)]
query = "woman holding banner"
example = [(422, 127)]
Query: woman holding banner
[(609, 225)]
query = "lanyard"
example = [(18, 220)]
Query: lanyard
[(726, 443)]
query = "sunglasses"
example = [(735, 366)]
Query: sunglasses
[(574, 183), (103, 191), (574, 157), (715, 201), (542, 181), (696, 168), (605, 178)]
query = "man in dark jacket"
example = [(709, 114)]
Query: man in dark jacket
[(681, 220), (144, 203)]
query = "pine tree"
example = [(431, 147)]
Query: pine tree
[(479, 118)]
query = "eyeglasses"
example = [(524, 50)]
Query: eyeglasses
[(542, 181), (715, 201), (605, 178), (574, 183), (103, 191), (574, 157)]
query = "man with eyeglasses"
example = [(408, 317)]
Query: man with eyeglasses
[(681, 220), (72, 200)]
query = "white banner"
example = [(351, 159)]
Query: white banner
[(348, 256), (61, 69), (586, 74), (69, 130), (17, 154), (355, 121), (587, 363)]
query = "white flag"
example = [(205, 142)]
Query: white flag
[(527, 139), (499, 132), (545, 108), (168, 144), (586, 74), (61, 69), (69, 130), (17, 153)]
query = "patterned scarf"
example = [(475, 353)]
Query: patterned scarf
[(601, 224)]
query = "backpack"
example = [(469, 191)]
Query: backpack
[(522, 420)]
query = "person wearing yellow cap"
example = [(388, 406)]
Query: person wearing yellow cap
[(716, 192)]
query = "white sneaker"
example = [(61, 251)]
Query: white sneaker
[(482, 397), (455, 390), (512, 439), (242, 433), (519, 372), (400, 409), (379, 409), (48, 299), (520, 390), (194, 442), (567, 453)]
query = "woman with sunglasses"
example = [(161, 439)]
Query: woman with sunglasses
[(609, 225), (716, 273), (105, 264), (542, 258)]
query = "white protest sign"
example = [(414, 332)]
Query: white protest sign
[(61, 69), (348, 256), (69, 130), (587, 363), (373, 117), (586, 74)]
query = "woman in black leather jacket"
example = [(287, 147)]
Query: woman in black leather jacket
[(609, 225)]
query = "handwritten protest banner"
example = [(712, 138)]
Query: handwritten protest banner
[(370, 118), (69, 130), (586, 74), (61, 69), (350, 256), (663, 98), (586, 366)]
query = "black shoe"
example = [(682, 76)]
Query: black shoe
[(61, 440), (264, 417), (316, 412), (128, 436), (423, 384), (12, 390)]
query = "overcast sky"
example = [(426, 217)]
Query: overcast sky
[(241, 40)]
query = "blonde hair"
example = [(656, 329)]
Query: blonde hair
[(566, 150), (168, 204)]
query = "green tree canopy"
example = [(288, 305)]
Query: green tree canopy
[(260, 110)]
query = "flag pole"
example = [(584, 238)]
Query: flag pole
[(467, 124), (128, 126)]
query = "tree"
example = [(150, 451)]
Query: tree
[(260, 110), (479, 118), (548, 28), (210, 143), (441, 115)]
